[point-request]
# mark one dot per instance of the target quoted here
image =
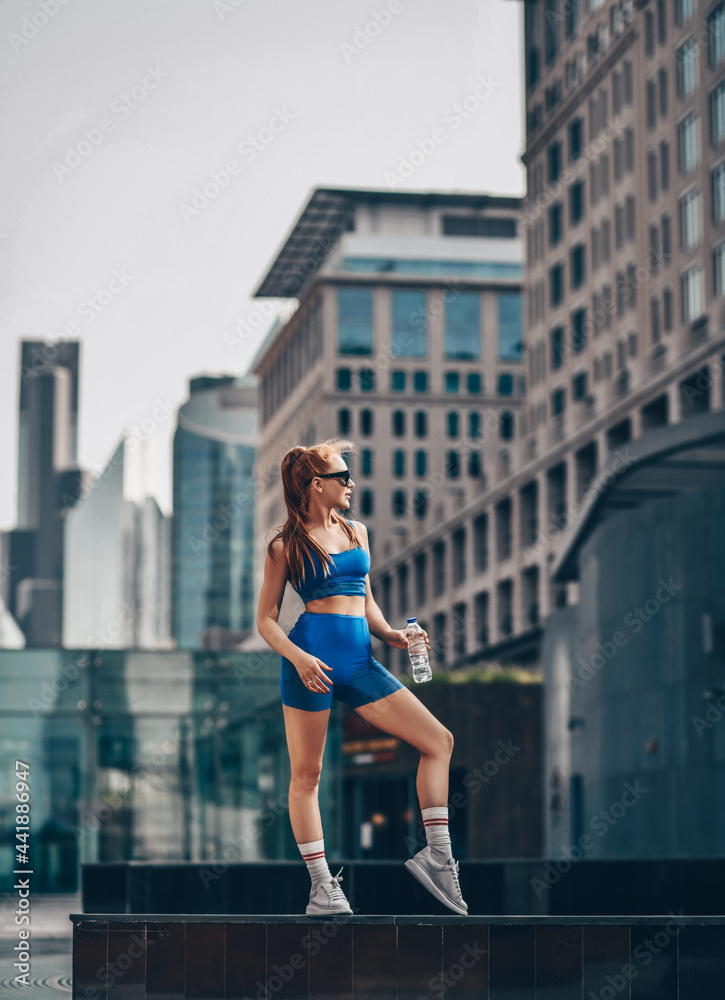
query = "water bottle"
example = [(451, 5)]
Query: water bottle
[(417, 652)]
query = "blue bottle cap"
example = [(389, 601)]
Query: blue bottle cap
[(409, 620)]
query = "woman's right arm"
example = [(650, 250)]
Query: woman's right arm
[(276, 574)]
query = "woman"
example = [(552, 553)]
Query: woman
[(328, 654)]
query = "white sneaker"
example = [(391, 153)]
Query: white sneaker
[(441, 880), (328, 897)]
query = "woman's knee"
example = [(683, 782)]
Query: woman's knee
[(440, 743), (305, 780)]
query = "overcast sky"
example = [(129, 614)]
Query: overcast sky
[(115, 111)]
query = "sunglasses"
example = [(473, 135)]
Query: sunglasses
[(344, 475)]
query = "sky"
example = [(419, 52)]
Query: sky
[(119, 114)]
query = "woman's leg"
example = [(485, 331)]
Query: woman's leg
[(306, 732), (401, 714)]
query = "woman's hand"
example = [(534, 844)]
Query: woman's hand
[(310, 669), (398, 639)]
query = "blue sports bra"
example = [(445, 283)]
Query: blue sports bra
[(346, 575)]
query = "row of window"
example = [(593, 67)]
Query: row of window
[(409, 323), (398, 423), (297, 356), (365, 380)]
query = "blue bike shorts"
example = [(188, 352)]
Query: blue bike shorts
[(343, 643)]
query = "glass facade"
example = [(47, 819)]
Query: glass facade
[(153, 755), (474, 268), (463, 325), (409, 324), (355, 320), (510, 327)]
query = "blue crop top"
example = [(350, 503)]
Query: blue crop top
[(346, 575)]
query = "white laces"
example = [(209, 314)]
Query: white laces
[(454, 873), (333, 890)]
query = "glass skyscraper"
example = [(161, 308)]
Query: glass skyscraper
[(213, 535)]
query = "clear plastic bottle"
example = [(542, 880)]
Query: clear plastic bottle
[(417, 652)]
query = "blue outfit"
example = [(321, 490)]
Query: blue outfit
[(340, 641)]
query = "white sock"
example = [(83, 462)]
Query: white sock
[(435, 820), (313, 854)]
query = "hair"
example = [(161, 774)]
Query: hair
[(299, 466)]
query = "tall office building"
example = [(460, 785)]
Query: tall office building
[(214, 502), (408, 340), (117, 581), (48, 485)]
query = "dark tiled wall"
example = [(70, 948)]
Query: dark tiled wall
[(402, 960)]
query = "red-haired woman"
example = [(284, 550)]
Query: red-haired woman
[(327, 654)]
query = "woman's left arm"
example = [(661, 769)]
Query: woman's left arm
[(376, 621)]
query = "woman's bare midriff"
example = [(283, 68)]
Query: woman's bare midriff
[(338, 604)]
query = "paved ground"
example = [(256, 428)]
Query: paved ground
[(50, 961)]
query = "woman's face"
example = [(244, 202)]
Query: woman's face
[(334, 488)]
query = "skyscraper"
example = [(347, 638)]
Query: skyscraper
[(213, 534), (48, 485)]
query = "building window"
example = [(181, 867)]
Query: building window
[(366, 462), (452, 381), (355, 320), (576, 203), (397, 381), (344, 379), (718, 193), (343, 421), (473, 383), (474, 425), (654, 248), (420, 381), (503, 529), (366, 422), (651, 103), (420, 462), (692, 293), (558, 401), (667, 309), (556, 340), (463, 325), (666, 239), (655, 318), (576, 138), (576, 265), (439, 568), (452, 420), (419, 574), (421, 424), (555, 224), (409, 323), (716, 35), (398, 422), (683, 10), (399, 504), (556, 285), (652, 175), (718, 263), (579, 386), (459, 555), (366, 503), (399, 462), (690, 219), (661, 22), (506, 427), (553, 162), (687, 144), (453, 465), (717, 112), (420, 502), (665, 165), (662, 86), (510, 327), (685, 59), (505, 384), (480, 543), (474, 464), (367, 380), (578, 329)]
